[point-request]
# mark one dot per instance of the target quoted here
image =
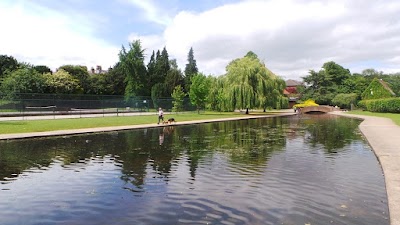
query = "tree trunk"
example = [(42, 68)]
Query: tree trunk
[(247, 110)]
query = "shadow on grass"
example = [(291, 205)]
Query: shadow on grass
[(12, 123)]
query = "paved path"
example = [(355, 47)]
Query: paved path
[(384, 137)]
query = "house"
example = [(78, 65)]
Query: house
[(291, 91)]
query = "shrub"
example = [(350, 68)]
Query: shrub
[(345, 100), (377, 89), (307, 103), (387, 105)]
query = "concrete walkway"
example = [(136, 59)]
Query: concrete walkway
[(384, 137)]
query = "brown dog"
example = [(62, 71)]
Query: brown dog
[(170, 120)]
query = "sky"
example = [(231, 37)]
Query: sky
[(291, 37)]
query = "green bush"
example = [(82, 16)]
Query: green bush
[(387, 105), (376, 90), (345, 100)]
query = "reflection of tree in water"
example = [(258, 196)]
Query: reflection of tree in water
[(14, 157), (251, 142), (248, 143), (331, 131)]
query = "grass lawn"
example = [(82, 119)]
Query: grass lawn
[(393, 116), (10, 127)]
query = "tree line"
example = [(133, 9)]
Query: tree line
[(247, 83), (335, 85)]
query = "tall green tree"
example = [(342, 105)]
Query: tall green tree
[(249, 84), (162, 66), (152, 72), (335, 73), (199, 91), (216, 100), (178, 95), (325, 84), (115, 80), (174, 77), (190, 69), (132, 64)]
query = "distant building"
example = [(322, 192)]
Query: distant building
[(98, 70), (291, 91)]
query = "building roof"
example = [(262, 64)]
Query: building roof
[(386, 86), (293, 83)]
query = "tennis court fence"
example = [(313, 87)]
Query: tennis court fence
[(49, 104)]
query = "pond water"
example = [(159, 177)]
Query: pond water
[(314, 169)]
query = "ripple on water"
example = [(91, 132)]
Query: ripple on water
[(246, 176)]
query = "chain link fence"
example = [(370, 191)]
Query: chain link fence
[(49, 104)]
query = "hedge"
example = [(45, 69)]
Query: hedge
[(387, 105), (376, 90), (344, 101)]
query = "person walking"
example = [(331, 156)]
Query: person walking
[(160, 115)]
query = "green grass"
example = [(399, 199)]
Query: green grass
[(393, 116), (22, 126)]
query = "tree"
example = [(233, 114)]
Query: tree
[(151, 72), (174, 77), (325, 84), (162, 67), (199, 91), (115, 80), (80, 73), (132, 64), (335, 73), (42, 69), (158, 91), (178, 96), (8, 64), (190, 69), (216, 98), (23, 81), (61, 82), (250, 84)]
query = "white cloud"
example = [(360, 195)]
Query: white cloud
[(149, 43), (291, 36), (152, 11), (41, 36)]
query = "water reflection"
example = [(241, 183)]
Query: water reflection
[(268, 171)]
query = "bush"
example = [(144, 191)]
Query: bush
[(377, 89), (387, 105), (345, 100), (307, 103)]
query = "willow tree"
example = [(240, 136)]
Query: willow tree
[(249, 84)]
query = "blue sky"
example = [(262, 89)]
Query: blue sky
[(290, 36)]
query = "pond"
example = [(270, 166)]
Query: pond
[(314, 169)]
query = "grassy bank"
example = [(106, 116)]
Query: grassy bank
[(10, 127), (393, 116)]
